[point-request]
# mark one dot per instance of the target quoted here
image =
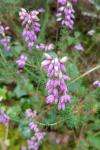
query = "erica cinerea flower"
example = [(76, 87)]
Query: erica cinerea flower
[(46, 47), (31, 24), (65, 14), (34, 142), (79, 47), (91, 32), (3, 118), (23, 148), (4, 39), (97, 83), (63, 2), (21, 61), (56, 86), (75, 1)]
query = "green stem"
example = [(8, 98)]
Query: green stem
[(44, 26), (33, 66), (51, 124), (5, 61)]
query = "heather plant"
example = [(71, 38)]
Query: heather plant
[(35, 140), (31, 22), (4, 40), (56, 87), (49, 75), (67, 11)]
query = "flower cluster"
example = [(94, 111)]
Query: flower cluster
[(35, 141), (97, 83), (63, 2), (30, 21), (65, 14), (3, 118), (4, 40), (46, 47), (56, 87), (21, 61)]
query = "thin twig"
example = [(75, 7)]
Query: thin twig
[(84, 74)]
